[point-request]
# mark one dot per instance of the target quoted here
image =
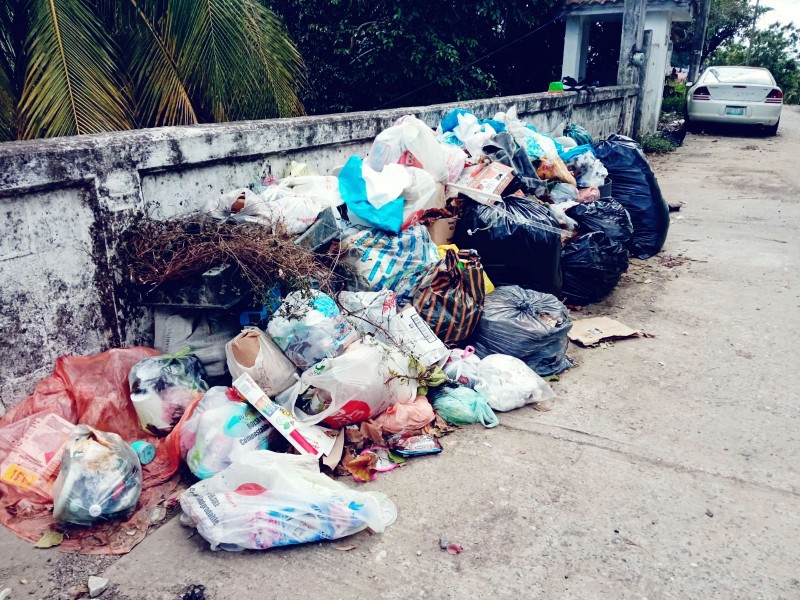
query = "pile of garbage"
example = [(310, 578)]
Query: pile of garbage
[(323, 325)]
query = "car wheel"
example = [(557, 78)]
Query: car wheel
[(773, 129)]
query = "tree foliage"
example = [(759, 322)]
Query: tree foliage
[(776, 48), (84, 66), (727, 19), (365, 55)]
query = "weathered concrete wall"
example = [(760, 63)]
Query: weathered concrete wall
[(63, 202)]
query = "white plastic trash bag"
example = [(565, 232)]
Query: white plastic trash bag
[(253, 352), (423, 193), (360, 384), (309, 326), (409, 142), (240, 206), (267, 500), (462, 366), (508, 383), (222, 429)]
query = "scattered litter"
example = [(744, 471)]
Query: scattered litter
[(345, 548), (195, 592), (97, 585), (450, 547), (50, 539), (709, 513), (590, 332)]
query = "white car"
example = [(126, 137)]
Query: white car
[(743, 95)]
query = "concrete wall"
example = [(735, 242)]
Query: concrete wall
[(64, 201)]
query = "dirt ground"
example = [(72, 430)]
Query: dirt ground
[(667, 467)]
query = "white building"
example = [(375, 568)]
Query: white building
[(660, 16)]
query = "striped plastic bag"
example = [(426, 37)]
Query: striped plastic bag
[(449, 296)]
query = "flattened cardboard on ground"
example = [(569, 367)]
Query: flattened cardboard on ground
[(588, 332)]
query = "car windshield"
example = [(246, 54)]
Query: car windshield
[(738, 75)]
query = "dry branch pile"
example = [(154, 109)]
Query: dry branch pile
[(156, 252)]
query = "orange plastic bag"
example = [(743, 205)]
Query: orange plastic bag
[(92, 390)]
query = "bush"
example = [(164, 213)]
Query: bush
[(674, 97), (655, 144)]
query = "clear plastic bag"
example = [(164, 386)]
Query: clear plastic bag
[(163, 387), (220, 430), (267, 500), (100, 478), (253, 352), (462, 405), (508, 383), (369, 312), (308, 327), (360, 384), (462, 366)]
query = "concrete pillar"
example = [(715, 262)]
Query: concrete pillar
[(632, 34), (576, 47), (652, 81)]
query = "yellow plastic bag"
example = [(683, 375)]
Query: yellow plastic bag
[(487, 284)]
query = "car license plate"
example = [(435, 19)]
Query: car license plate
[(735, 110)]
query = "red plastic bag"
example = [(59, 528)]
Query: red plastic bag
[(91, 390)]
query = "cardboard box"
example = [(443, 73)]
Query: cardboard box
[(492, 178), (35, 459)]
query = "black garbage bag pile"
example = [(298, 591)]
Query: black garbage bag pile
[(636, 188), (592, 266), (519, 242)]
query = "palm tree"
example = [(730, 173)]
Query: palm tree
[(70, 67)]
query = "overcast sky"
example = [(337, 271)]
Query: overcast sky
[(782, 10)]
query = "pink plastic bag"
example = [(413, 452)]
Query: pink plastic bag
[(409, 416), (92, 390)]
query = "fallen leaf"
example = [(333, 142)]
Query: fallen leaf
[(345, 548), (50, 539), (362, 467), (540, 407), (396, 458)]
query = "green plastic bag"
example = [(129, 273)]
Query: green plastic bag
[(462, 405), (578, 133)]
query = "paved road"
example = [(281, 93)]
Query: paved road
[(611, 493)]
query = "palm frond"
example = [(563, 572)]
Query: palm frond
[(162, 94), (7, 108), (283, 66), (72, 83), (237, 56), (8, 95)]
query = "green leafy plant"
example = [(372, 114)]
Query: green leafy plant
[(84, 66), (655, 144)]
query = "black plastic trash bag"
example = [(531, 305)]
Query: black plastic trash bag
[(608, 216), (528, 325), (591, 267), (519, 244), (636, 188)]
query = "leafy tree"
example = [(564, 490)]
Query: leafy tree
[(366, 55), (83, 66), (776, 48), (727, 19)]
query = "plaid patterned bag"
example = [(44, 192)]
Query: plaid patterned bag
[(450, 298)]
